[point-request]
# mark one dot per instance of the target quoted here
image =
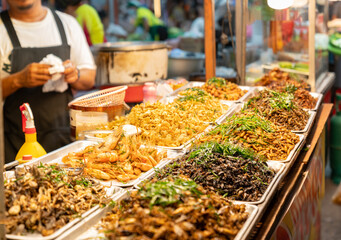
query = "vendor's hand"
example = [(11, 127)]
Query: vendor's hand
[(71, 72), (33, 75)]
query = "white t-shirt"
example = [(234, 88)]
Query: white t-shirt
[(45, 34)]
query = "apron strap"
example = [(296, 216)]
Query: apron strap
[(60, 28), (10, 29), (13, 35)]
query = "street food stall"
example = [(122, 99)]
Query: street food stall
[(212, 159)]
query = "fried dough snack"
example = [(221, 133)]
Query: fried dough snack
[(117, 158), (279, 108), (253, 131), (45, 198), (182, 210), (223, 90)]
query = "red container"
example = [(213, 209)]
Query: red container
[(134, 93)]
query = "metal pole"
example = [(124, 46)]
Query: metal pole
[(116, 11), (210, 51), (111, 11), (2, 160), (311, 43)]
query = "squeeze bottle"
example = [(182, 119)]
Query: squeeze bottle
[(31, 146)]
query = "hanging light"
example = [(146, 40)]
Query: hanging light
[(280, 4)]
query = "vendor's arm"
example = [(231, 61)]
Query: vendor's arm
[(81, 58), (35, 74), (79, 79)]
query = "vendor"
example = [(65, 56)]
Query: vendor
[(29, 32), (148, 21), (87, 17)]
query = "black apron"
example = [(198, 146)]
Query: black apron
[(50, 111)]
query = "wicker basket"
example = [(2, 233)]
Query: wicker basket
[(108, 97)]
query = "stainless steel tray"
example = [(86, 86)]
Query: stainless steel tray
[(309, 124), (112, 192), (242, 99), (77, 232), (230, 104), (90, 135), (187, 145), (248, 225), (199, 84), (57, 155), (319, 97), (188, 85), (278, 167), (237, 107), (85, 229), (256, 90)]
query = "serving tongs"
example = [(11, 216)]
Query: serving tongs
[(72, 171), (93, 135)]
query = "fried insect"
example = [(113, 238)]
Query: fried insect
[(174, 209), (301, 96), (257, 133), (229, 170), (279, 108), (221, 89), (277, 78), (44, 198), (117, 158)]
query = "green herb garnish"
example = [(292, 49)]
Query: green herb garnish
[(243, 123), (193, 94), (165, 193), (277, 100), (226, 149), (219, 82), (290, 88)]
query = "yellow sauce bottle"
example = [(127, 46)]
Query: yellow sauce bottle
[(31, 146)]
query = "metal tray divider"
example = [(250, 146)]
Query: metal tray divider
[(309, 124)]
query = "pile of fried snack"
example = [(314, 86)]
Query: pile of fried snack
[(192, 196)]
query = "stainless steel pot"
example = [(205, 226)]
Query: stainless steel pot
[(185, 65), (130, 62)]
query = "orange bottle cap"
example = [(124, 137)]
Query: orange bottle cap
[(27, 157)]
